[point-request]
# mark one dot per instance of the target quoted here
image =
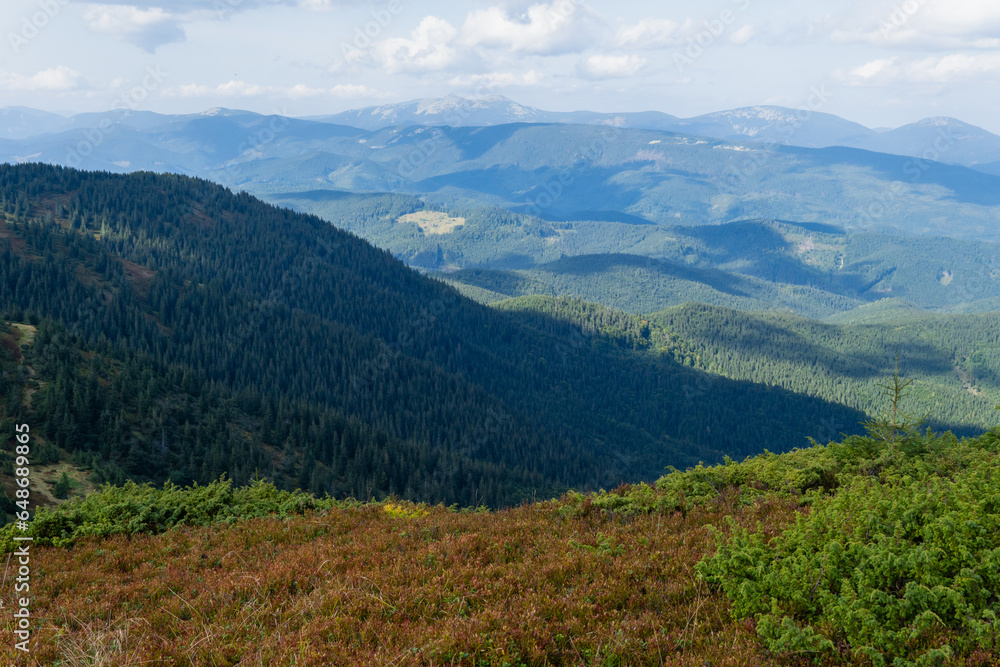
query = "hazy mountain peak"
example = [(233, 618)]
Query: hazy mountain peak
[(940, 120), (226, 112), (435, 105), (762, 112), (765, 123), (751, 121), (388, 112), (781, 125), (941, 138), (17, 122), (451, 110), (509, 109), (946, 122)]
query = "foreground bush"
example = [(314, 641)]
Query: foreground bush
[(900, 565), (133, 509), (908, 569)]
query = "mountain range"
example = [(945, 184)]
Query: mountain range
[(940, 139), (963, 143), (215, 323), (550, 171), (160, 328)]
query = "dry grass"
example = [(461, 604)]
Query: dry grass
[(102, 642), (432, 222), (364, 586)]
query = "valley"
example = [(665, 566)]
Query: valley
[(525, 389)]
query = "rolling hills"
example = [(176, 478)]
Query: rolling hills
[(223, 335), (810, 269), (555, 171), (953, 360)]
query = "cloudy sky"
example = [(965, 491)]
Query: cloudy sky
[(878, 62)]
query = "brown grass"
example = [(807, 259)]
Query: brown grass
[(138, 276), (364, 586), (432, 222)]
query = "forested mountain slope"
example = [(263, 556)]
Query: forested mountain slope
[(752, 265), (319, 361), (953, 360), (556, 171)]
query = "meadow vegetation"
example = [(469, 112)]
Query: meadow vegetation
[(880, 549)]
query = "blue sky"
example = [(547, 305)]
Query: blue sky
[(881, 63)]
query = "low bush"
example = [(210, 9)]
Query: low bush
[(132, 509), (899, 565)]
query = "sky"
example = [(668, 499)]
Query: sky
[(883, 63)]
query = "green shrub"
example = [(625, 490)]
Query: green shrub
[(132, 509), (904, 565), (62, 487)]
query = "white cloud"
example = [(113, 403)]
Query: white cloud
[(545, 28), (394, 6), (964, 24), (951, 68), (149, 24), (354, 90), (498, 79), (242, 89), (317, 5), (56, 79), (654, 33), (223, 7), (603, 66), (873, 72), (954, 67), (429, 48), (146, 28), (649, 33), (743, 35)]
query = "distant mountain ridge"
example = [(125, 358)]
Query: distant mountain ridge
[(22, 122), (967, 144), (550, 171), (939, 139), (779, 125), (452, 110)]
